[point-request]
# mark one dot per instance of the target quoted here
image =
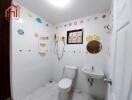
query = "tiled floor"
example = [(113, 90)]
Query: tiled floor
[(50, 92)]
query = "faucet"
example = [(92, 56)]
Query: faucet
[(92, 68)]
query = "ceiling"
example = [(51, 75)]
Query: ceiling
[(76, 9)]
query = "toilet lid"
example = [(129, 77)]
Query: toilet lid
[(65, 83)]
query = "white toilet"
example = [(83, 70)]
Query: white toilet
[(66, 82)]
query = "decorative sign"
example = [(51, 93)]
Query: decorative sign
[(20, 31), (38, 20), (75, 37)]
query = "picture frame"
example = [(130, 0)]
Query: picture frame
[(75, 36)]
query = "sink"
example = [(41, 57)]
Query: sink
[(93, 72)]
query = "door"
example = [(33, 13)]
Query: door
[(121, 73), (5, 93)]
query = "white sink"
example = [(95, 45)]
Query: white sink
[(93, 73)]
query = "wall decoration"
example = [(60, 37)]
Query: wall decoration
[(29, 50), (108, 28), (75, 36), (20, 50), (93, 37), (81, 21), (36, 35), (30, 15), (65, 25), (38, 20), (56, 27), (43, 44), (95, 18), (97, 37), (104, 16), (109, 53), (47, 25), (70, 24), (89, 38), (94, 47), (20, 31), (75, 23)]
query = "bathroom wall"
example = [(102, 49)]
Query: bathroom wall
[(29, 69), (77, 54)]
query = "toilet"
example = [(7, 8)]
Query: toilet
[(65, 84)]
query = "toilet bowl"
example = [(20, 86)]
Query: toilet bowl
[(65, 85), (66, 82)]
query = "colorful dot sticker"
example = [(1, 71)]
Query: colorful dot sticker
[(75, 23), (30, 15), (104, 16), (65, 25), (36, 35), (95, 18), (20, 31), (70, 24), (47, 25), (81, 21), (38, 20)]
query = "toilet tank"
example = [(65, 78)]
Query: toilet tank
[(70, 71)]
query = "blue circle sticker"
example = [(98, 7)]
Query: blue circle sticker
[(38, 20), (20, 31)]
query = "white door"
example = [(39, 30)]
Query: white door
[(121, 73), (119, 88)]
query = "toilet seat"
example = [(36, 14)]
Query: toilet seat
[(65, 83)]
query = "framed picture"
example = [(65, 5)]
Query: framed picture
[(75, 36)]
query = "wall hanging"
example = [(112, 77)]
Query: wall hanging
[(43, 44), (94, 47), (20, 31), (75, 36)]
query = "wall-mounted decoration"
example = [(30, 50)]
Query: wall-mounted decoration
[(39, 20), (30, 15), (56, 27), (75, 36), (43, 44), (75, 23), (20, 50), (104, 16), (95, 18), (70, 24), (94, 47), (36, 35), (47, 25), (81, 21), (20, 31), (65, 25), (93, 37), (108, 28)]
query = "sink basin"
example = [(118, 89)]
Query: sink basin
[(96, 73)]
